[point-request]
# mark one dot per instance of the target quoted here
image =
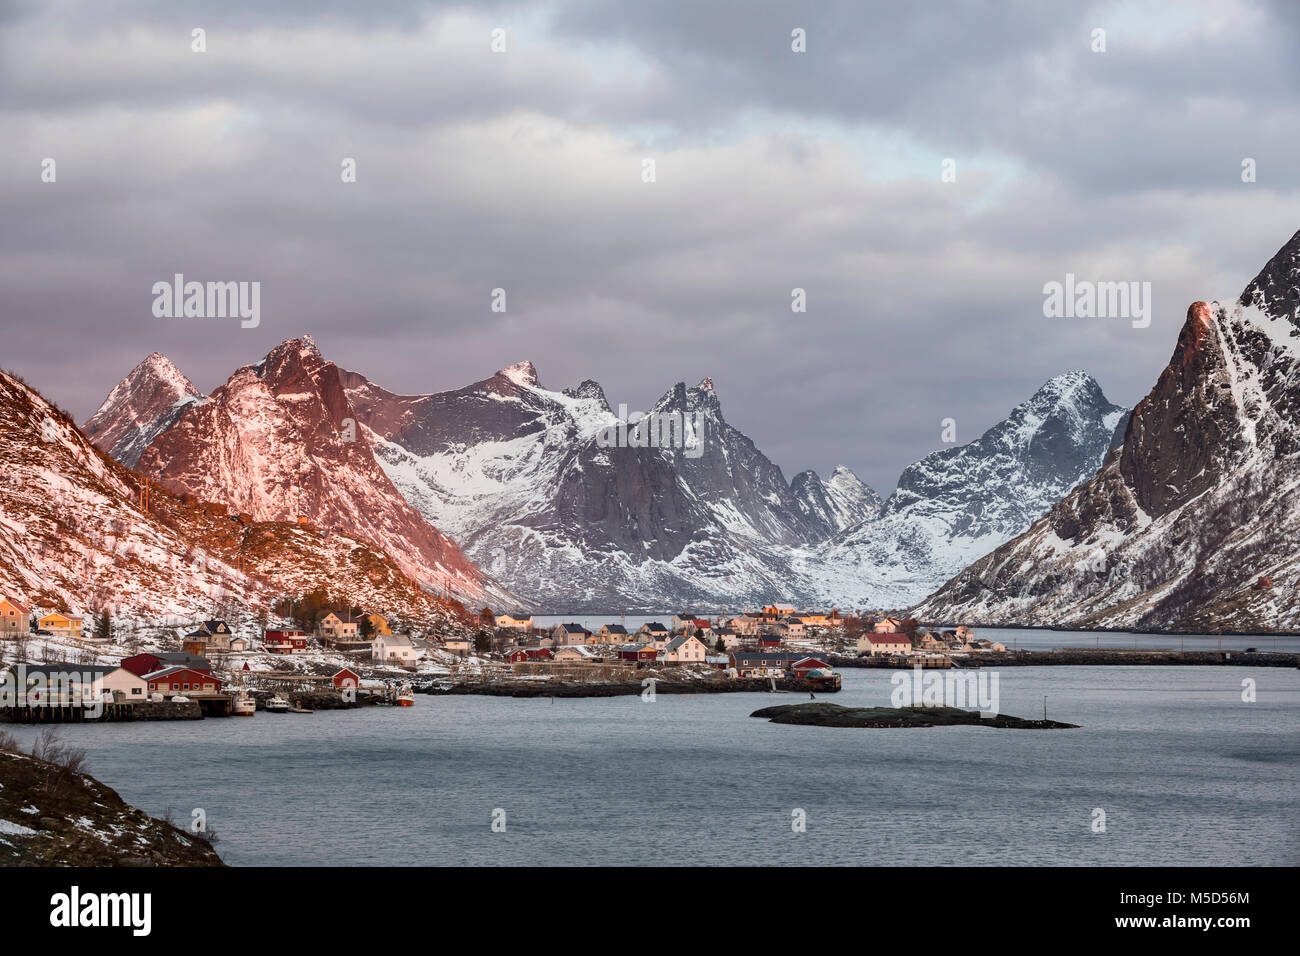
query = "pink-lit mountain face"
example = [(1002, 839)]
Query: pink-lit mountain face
[(1192, 522), (278, 442), (142, 406)]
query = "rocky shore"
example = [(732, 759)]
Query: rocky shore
[(722, 685), (833, 715), (52, 814)]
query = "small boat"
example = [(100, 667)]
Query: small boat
[(298, 708), (277, 705), (245, 705), (406, 696)]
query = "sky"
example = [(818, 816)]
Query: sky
[(524, 169)]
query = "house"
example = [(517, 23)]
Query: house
[(238, 645), (770, 639), (457, 645), (515, 622), (195, 646), (15, 618), (805, 665), (346, 677), (965, 634), (611, 634), (564, 635), (686, 649), (141, 664), (682, 619), (884, 643), (525, 655), (394, 649), (746, 625), (927, 642), (762, 664), (654, 631), (378, 623), (578, 654), (730, 639), (288, 641), (700, 624), (793, 626), (890, 625), (185, 681), (638, 653), (86, 683), (60, 625), (334, 628)]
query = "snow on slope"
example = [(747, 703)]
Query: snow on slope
[(1196, 506)]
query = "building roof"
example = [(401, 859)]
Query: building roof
[(572, 628), (615, 628), (18, 605), (395, 640), (887, 638), (169, 671), (654, 626), (677, 642)]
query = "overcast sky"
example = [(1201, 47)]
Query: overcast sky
[(522, 170)]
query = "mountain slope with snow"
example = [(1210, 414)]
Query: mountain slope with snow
[(959, 503), (75, 536), (140, 408), (1192, 510), (278, 442)]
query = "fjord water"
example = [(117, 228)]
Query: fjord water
[(1186, 772)]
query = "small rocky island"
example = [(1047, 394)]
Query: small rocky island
[(52, 814), (833, 715)]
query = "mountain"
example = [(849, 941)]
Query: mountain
[(277, 442), (74, 536), (143, 405), (836, 503), (1192, 510), (959, 503), (529, 480)]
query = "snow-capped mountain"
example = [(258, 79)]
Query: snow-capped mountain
[(1193, 510), (75, 536), (835, 503), (143, 405), (278, 442), (959, 503), (540, 492)]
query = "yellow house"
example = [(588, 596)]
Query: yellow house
[(380, 625), (60, 625), (14, 618)]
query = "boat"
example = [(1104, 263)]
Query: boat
[(405, 696), (298, 708), (277, 705), (244, 704)]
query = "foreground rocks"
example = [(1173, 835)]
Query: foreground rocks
[(833, 715), (51, 815)]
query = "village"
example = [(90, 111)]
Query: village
[(357, 658)]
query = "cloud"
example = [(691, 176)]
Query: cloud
[(522, 171)]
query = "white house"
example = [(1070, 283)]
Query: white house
[(684, 650), (394, 648), (517, 622), (334, 627), (877, 644)]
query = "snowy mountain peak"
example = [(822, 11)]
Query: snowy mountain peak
[(523, 374), (140, 407), (1276, 290), (706, 383)]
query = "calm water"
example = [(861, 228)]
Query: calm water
[(1186, 772)]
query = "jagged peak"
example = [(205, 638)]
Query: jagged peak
[(1276, 289), (523, 374)]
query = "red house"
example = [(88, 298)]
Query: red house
[(184, 681), (347, 677), (522, 655), (638, 653), (803, 666), (286, 641), (141, 664), (769, 640)]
